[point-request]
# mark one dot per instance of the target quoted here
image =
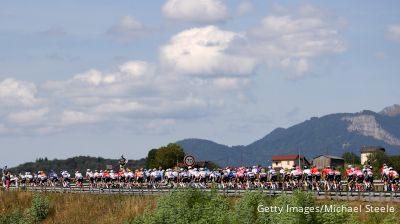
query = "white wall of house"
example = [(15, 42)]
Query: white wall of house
[(364, 157), (286, 164)]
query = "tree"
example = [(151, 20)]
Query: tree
[(351, 158), (151, 158), (377, 159), (165, 156)]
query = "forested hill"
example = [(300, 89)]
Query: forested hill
[(72, 164), (331, 134)]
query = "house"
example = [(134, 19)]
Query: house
[(287, 161), (328, 160), (368, 150)]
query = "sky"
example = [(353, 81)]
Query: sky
[(104, 78)]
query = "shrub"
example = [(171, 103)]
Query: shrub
[(14, 218), (189, 206), (246, 209), (40, 208), (297, 199)]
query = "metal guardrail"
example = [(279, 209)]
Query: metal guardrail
[(330, 195)]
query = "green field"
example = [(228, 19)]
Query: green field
[(187, 206)]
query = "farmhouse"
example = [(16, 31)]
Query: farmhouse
[(368, 150), (328, 160), (287, 161)]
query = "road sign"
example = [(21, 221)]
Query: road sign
[(189, 160)]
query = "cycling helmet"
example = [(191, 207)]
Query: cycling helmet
[(305, 167)]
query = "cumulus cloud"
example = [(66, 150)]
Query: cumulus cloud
[(70, 117), (28, 117), (127, 29), (393, 32), (202, 71), (196, 11), (18, 93), (202, 51), (290, 40)]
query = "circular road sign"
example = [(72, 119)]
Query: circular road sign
[(189, 160)]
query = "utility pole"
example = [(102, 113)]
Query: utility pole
[(299, 159)]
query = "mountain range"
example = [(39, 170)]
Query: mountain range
[(332, 134)]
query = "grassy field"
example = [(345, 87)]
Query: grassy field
[(81, 208), (88, 208)]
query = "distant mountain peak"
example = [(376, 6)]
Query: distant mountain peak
[(367, 125), (338, 132), (391, 111)]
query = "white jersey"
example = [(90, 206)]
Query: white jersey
[(307, 172), (65, 174), (89, 174), (78, 175), (272, 172)]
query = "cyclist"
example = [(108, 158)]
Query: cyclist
[(66, 178), (359, 179), (369, 177), (90, 176), (78, 179), (307, 177), (272, 177), (328, 175), (394, 179), (316, 178), (53, 178), (385, 177), (296, 174), (337, 179)]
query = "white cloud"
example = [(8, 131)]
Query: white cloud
[(28, 117), (14, 92), (119, 106), (244, 8), (202, 71), (94, 77), (196, 11), (229, 83), (202, 51), (393, 32), (291, 40), (136, 69), (71, 117), (127, 29)]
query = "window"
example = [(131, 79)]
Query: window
[(276, 163), (287, 162)]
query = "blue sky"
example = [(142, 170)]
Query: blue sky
[(102, 78)]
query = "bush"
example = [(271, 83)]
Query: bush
[(189, 206), (298, 199), (40, 208), (14, 218), (246, 209)]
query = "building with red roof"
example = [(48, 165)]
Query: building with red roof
[(288, 161)]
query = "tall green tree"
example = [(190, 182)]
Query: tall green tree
[(351, 158), (151, 158), (165, 156), (377, 159)]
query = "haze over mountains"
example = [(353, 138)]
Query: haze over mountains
[(332, 134)]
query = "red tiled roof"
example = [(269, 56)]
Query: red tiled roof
[(286, 157)]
